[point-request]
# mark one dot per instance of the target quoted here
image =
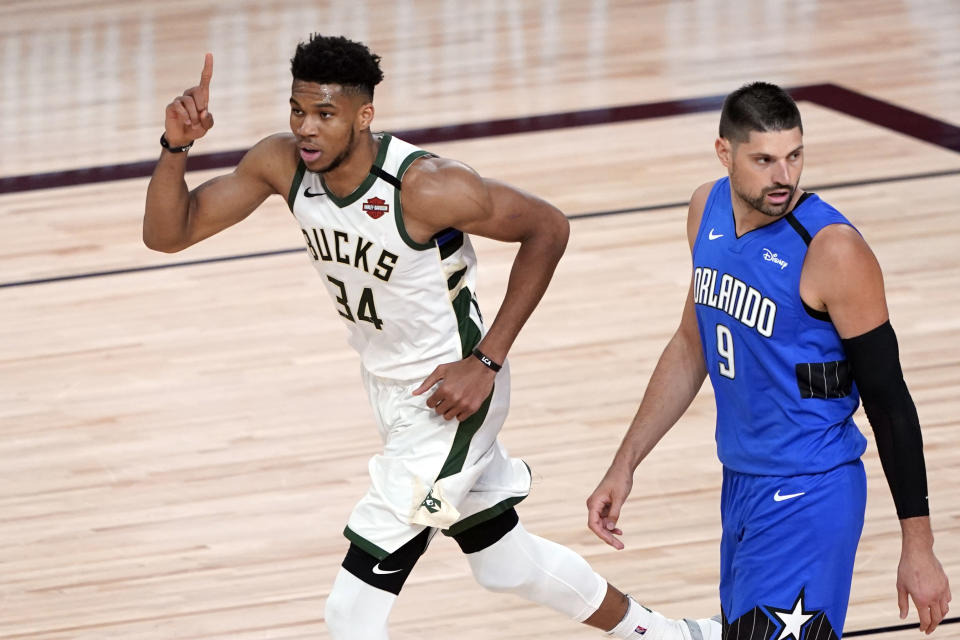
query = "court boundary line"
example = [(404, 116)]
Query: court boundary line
[(896, 627), (576, 216), (831, 96)]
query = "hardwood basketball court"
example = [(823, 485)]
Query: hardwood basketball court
[(182, 436)]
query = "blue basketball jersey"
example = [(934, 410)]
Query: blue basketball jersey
[(784, 391)]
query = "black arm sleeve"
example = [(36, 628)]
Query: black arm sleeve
[(874, 359)]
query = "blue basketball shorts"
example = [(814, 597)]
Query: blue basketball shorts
[(787, 552)]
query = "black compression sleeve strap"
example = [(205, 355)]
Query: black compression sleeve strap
[(875, 361)]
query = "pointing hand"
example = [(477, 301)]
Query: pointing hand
[(188, 117)]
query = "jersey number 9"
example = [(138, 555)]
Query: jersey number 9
[(725, 349)]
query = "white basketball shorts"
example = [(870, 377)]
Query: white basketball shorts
[(433, 472)]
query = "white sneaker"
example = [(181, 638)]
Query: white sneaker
[(709, 629), (661, 627)]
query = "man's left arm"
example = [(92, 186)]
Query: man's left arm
[(444, 194), (842, 276)]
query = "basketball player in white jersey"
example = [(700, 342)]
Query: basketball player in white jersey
[(386, 225)]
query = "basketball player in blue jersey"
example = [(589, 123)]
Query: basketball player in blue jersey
[(387, 227), (786, 313)]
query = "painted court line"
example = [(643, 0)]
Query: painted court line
[(831, 96), (576, 216)]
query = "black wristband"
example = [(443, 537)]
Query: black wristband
[(166, 145), (487, 362)]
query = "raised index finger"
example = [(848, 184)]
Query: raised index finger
[(207, 72), (201, 94)]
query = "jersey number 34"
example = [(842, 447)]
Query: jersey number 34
[(366, 310)]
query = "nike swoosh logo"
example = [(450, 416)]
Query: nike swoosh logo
[(307, 193), (714, 236), (376, 568), (779, 498)]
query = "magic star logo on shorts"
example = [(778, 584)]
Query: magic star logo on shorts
[(431, 504)]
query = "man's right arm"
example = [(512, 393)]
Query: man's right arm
[(676, 379), (176, 218)]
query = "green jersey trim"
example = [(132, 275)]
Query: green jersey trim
[(449, 247), (469, 331), (367, 182), (482, 516), (295, 185), (455, 279), (364, 544), (398, 209), (461, 441)]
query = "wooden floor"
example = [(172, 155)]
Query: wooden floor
[(180, 447)]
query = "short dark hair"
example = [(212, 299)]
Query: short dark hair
[(337, 60), (760, 106)]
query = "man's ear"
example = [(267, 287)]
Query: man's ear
[(724, 151), (365, 116)]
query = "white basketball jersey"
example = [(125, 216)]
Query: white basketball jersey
[(408, 306)]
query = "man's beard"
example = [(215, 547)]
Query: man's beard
[(760, 202), (342, 156)]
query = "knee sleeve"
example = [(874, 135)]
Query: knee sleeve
[(366, 588), (540, 571), (391, 572)]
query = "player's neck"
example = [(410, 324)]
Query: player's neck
[(747, 218), (345, 179)]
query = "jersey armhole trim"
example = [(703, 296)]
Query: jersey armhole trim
[(703, 214), (807, 239), (295, 185), (814, 313), (799, 228), (398, 209)]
